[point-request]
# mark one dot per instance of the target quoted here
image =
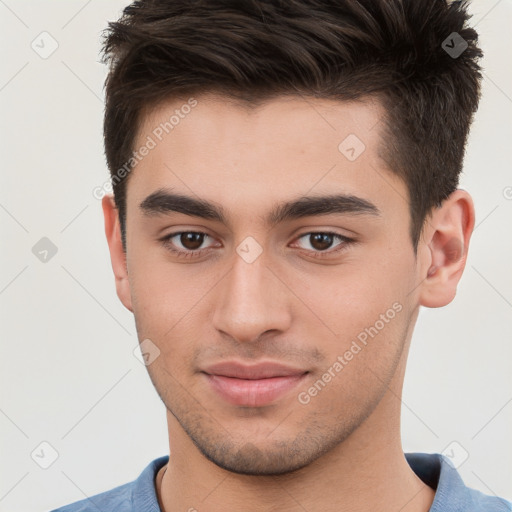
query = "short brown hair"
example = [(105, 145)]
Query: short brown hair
[(418, 57)]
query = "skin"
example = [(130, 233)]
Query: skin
[(342, 450)]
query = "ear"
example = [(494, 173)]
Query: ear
[(445, 242), (117, 254)]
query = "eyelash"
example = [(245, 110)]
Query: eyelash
[(345, 242)]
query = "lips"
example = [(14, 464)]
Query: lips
[(252, 372), (252, 385)]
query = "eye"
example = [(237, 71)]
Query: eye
[(319, 242), (186, 243)]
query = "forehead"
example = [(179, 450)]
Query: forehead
[(211, 119), (225, 151)]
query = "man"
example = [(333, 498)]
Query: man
[(285, 199)]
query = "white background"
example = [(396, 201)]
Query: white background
[(68, 373)]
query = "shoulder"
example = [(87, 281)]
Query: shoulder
[(480, 501), (452, 495), (136, 496), (114, 500)]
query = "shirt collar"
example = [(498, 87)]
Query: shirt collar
[(437, 471), (433, 469)]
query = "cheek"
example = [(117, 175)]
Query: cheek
[(348, 298), (166, 299), (360, 317), (359, 364)]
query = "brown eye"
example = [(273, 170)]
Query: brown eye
[(318, 243), (321, 241), (187, 243), (192, 240)]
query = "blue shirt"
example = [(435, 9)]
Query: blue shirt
[(434, 469)]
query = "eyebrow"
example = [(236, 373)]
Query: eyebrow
[(162, 202)]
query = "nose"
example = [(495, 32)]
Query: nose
[(251, 301)]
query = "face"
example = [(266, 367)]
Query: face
[(271, 269)]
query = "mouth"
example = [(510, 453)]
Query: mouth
[(252, 385)]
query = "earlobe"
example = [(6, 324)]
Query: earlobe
[(117, 254), (448, 232)]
